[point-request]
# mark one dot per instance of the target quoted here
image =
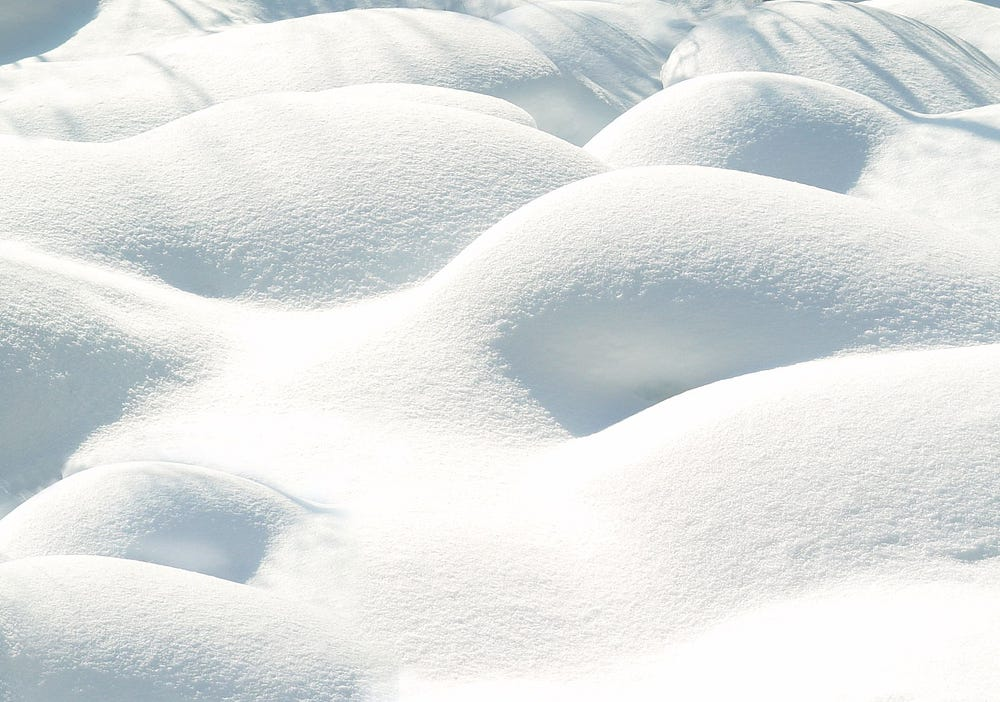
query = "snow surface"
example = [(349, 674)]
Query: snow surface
[(974, 21), (891, 58), (436, 351), (228, 202), (934, 166)]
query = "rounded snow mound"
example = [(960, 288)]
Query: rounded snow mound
[(118, 27), (775, 125), (616, 292), (614, 52), (978, 23), (175, 515), (106, 99), (893, 59), (78, 347), (759, 487), (93, 629), (360, 197), (818, 134)]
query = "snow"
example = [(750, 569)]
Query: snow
[(405, 187), (111, 98), (974, 21), (815, 133), (88, 628), (890, 58), (614, 52), (436, 351)]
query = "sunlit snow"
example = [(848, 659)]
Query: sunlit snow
[(541, 350)]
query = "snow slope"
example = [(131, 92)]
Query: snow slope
[(932, 166), (893, 59)]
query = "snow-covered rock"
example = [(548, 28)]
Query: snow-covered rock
[(893, 59), (818, 134), (298, 198)]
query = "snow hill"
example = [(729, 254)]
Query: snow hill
[(495, 349)]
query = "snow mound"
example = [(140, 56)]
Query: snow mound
[(108, 99), (818, 134), (616, 292), (973, 21), (117, 27), (756, 488), (613, 51), (89, 629), (775, 125), (360, 197), (78, 346), (180, 516), (893, 59)]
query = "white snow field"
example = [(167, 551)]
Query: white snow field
[(499, 349)]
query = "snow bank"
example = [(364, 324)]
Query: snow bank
[(618, 291), (359, 197), (113, 98), (181, 516), (86, 628), (978, 23), (818, 134), (893, 59)]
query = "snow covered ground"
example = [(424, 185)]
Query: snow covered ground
[(499, 349)]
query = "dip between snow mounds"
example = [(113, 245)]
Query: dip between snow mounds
[(94, 629), (894, 59), (187, 517), (112, 98), (977, 23), (292, 198), (616, 292), (613, 51), (78, 347), (815, 133)]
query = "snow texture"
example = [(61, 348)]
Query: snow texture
[(815, 133), (224, 204), (437, 351), (890, 58)]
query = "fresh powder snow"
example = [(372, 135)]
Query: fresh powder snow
[(550, 350)]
